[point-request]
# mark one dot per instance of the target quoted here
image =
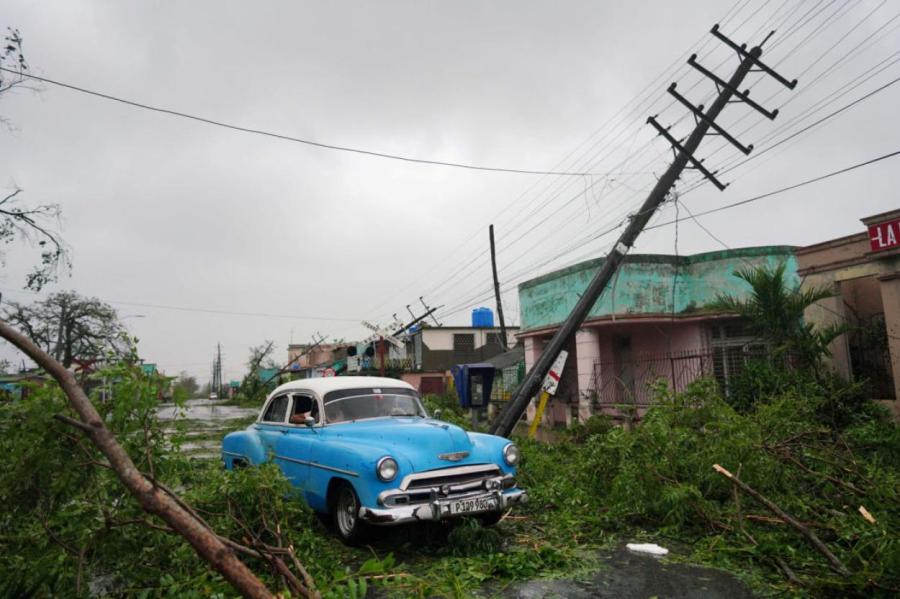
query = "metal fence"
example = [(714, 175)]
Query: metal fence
[(631, 382)]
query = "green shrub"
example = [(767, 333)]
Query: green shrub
[(659, 477)]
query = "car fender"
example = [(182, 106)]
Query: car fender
[(355, 463), (489, 449), (243, 445)]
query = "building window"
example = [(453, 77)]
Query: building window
[(733, 345), (463, 343), (494, 339)]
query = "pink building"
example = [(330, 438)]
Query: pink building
[(650, 327)]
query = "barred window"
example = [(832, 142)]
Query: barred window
[(463, 343)]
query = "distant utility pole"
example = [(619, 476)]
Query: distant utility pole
[(503, 343), (684, 154), (216, 385)]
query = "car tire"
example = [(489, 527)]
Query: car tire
[(491, 518), (345, 515)]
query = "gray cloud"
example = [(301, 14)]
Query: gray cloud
[(160, 210)]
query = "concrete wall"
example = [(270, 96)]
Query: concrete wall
[(441, 338), (437, 351), (644, 285), (865, 283)]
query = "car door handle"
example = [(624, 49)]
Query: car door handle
[(284, 432)]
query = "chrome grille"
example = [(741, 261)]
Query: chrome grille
[(449, 476)]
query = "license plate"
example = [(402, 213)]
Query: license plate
[(471, 505)]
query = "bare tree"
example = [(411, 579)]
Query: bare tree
[(18, 222), (69, 327)]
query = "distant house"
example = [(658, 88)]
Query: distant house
[(16, 386), (306, 355), (433, 351), (650, 325)]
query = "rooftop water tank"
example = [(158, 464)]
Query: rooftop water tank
[(482, 318)]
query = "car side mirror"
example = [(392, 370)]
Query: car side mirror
[(437, 413), (309, 421)]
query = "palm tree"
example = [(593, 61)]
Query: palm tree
[(775, 310)]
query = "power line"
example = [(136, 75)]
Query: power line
[(693, 216), (210, 310), (284, 137), (807, 19), (784, 189), (868, 41), (633, 107)]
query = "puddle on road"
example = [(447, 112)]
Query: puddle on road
[(205, 422), (208, 410), (625, 575)]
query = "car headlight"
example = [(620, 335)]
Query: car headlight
[(387, 469), (511, 454)]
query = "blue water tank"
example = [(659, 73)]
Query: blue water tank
[(482, 318)]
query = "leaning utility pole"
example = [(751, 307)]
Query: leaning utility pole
[(503, 342), (684, 154)]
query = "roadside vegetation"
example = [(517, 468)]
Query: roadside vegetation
[(69, 528)]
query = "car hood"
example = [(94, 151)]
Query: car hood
[(419, 441)]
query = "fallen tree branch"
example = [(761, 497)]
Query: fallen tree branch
[(788, 571), (208, 546), (835, 563), (777, 520)]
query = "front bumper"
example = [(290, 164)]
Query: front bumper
[(435, 509)]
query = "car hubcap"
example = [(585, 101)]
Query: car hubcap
[(347, 511)]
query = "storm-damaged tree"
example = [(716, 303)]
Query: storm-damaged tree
[(70, 327), (19, 222), (252, 386), (186, 384)]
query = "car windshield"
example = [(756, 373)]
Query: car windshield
[(356, 404)]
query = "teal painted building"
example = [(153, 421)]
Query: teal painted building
[(650, 324)]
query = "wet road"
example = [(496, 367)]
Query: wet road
[(625, 575), (205, 422)]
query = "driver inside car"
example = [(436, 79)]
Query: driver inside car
[(303, 407)]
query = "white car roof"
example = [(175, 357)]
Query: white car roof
[(323, 385)]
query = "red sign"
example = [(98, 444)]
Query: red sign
[(885, 236)]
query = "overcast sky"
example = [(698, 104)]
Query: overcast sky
[(164, 211)]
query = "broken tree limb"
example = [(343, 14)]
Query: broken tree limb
[(835, 563), (152, 499), (788, 572)]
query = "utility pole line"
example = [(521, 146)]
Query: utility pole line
[(417, 319), (503, 342), (316, 343), (684, 154), (430, 311)]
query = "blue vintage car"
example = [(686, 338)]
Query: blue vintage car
[(364, 451)]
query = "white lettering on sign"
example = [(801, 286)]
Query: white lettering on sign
[(884, 236)]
